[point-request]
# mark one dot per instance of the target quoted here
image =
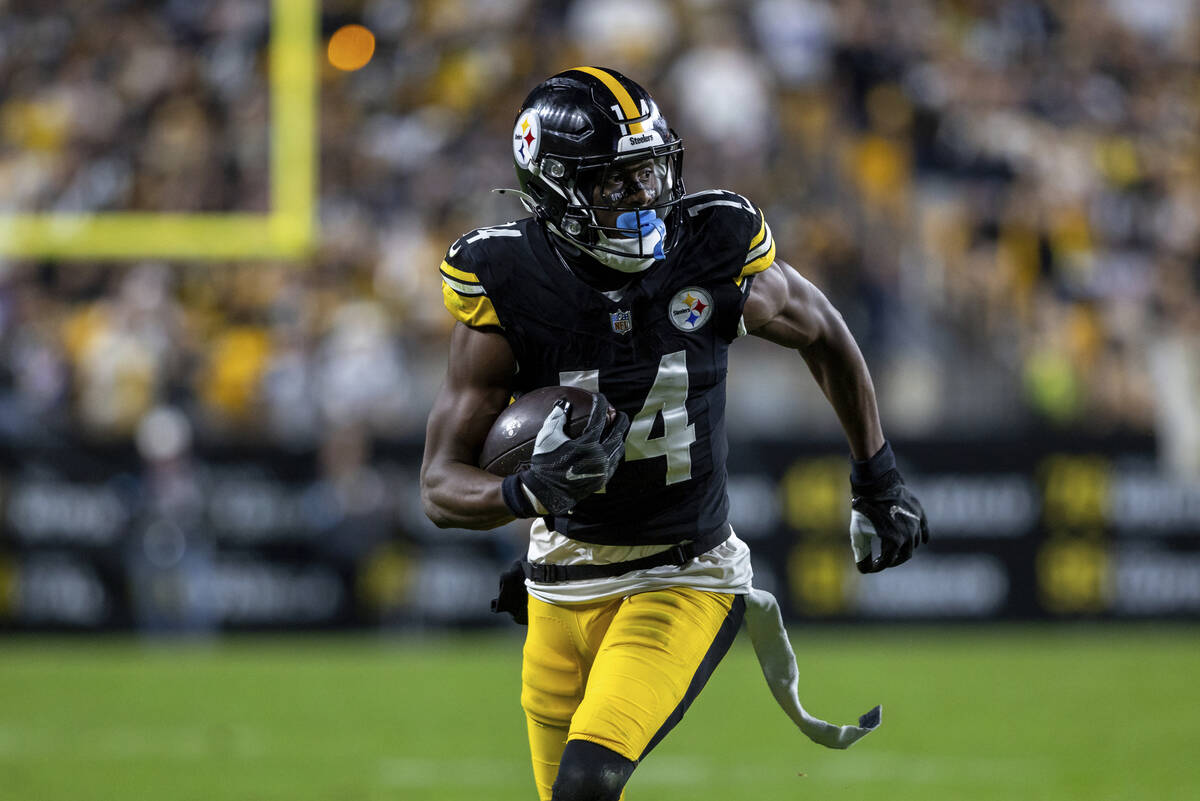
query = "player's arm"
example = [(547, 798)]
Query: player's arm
[(785, 308), (454, 491), (563, 470)]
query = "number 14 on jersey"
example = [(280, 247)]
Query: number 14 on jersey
[(668, 397)]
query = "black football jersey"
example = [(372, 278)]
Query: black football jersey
[(658, 351)]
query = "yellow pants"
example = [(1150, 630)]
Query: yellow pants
[(619, 672)]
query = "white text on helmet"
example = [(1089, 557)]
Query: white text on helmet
[(635, 141)]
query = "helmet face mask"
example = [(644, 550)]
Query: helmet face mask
[(590, 146)]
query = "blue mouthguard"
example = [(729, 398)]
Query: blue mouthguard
[(644, 222)]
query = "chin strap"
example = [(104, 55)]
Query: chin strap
[(638, 249), (778, 663), (634, 263)]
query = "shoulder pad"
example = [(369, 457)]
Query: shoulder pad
[(718, 202), (474, 247), (733, 218), (465, 279)]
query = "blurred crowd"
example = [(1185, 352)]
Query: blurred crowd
[(1003, 198)]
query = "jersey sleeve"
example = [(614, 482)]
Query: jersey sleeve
[(463, 292), (761, 252), (733, 244)]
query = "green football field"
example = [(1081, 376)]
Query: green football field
[(1005, 714)]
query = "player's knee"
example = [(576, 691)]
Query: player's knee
[(591, 772)]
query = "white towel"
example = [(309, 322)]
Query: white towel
[(778, 663)]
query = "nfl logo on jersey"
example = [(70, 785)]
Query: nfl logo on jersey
[(622, 321)]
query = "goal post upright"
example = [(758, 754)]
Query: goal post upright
[(286, 231)]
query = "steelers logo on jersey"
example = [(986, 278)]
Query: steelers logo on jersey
[(690, 308), (527, 138)]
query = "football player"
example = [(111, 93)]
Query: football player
[(622, 283)]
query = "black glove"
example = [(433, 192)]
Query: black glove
[(882, 506), (564, 471)]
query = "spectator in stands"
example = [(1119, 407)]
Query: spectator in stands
[(1023, 176)]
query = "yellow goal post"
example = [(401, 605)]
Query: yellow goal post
[(287, 231)]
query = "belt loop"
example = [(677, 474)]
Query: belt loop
[(681, 555)]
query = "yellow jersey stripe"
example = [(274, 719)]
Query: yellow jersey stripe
[(476, 311), (762, 247), (758, 265), (620, 93), (459, 275), (762, 231)]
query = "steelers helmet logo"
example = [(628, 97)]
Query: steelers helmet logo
[(527, 138), (690, 308)]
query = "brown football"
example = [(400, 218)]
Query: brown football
[(509, 445)]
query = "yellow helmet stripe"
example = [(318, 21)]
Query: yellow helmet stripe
[(622, 95)]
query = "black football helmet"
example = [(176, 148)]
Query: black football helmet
[(588, 140)]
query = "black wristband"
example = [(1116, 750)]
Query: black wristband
[(871, 470), (515, 498)]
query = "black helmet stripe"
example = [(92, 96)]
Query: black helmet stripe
[(624, 99)]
